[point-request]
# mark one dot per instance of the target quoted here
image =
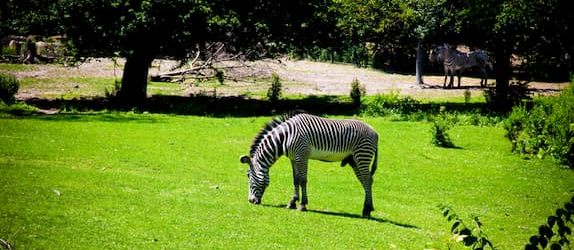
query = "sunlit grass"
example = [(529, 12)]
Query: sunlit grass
[(140, 181)]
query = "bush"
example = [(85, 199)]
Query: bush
[(274, 92), (440, 137), (17, 109), (546, 129), (392, 103), (8, 88), (357, 91)]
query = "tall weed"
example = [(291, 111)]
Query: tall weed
[(274, 91), (357, 92)]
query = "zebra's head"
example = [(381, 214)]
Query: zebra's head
[(436, 54), (258, 179)]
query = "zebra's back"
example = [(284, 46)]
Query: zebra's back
[(332, 140)]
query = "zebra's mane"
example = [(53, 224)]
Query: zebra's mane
[(270, 126)]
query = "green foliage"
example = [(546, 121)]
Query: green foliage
[(389, 104), (441, 124), (555, 232), (274, 91), (8, 88), (17, 109), (514, 124), (472, 237), (546, 129), (357, 91)]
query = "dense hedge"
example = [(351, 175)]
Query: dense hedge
[(547, 128)]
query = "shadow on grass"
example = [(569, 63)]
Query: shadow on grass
[(231, 106), (349, 215)]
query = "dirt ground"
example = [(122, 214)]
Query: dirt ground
[(299, 77)]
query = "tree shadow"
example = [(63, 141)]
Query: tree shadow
[(201, 105), (349, 215)]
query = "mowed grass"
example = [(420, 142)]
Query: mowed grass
[(143, 181)]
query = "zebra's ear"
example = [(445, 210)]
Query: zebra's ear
[(245, 159)]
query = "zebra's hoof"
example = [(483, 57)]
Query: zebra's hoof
[(367, 212), (302, 208), (291, 205)]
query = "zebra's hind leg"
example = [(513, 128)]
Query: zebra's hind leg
[(303, 183), (363, 174)]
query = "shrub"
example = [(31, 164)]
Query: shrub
[(8, 88), (514, 125), (440, 137), (357, 91), (392, 103), (546, 129), (274, 92), (18, 109)]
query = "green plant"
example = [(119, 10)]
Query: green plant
[(357, 91), (441, 124), (18, 109), (546, 129), (514, 125), (274, 91), (391, 103), (472, 237), (8, 88), (556, 231)]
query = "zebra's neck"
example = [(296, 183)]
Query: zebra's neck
[(270, 148)]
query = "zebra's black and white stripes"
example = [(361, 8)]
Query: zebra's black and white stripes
[(456, 62), (300, 137)]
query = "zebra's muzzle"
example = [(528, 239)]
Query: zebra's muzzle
[(254, 200)]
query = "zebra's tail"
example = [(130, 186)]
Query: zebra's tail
[(374, 167)]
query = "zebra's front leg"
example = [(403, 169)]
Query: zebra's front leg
[(484, 77), (295, 198), (459, 75), (300, 180)]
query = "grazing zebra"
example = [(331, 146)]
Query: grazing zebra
[(301, 137), (455, 62)]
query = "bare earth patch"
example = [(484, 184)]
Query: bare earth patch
[(299, 78)]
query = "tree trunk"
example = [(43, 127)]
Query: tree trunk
[(134, 80), (502, 68), (419, 63)]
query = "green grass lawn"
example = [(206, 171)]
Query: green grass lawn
[(143, 181)]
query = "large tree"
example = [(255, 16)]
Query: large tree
[(537, 31), (144, 30)]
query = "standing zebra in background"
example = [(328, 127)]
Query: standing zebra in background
[(455, 62), (301, 137)]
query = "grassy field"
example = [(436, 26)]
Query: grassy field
[(149, 181)]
